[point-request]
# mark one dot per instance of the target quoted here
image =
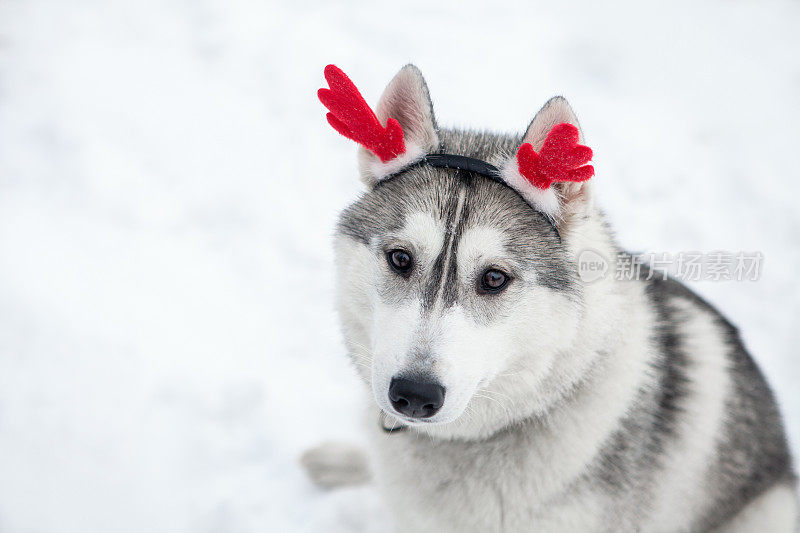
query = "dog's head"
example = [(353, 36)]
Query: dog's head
[(456, 295)]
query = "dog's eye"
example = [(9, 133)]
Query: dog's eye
[(400, 261), (494, 280)]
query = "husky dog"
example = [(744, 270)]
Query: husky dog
[(530, 399)]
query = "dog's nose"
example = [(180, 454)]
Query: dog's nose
[(416, 399)]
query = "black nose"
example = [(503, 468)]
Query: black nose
[(417, 399)]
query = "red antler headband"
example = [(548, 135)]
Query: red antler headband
[(352, 117), (531, 174)]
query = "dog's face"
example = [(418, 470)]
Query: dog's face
[(455, 295)]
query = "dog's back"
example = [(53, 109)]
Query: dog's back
[(709, 435)]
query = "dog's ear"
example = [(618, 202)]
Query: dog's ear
[(406, 100), (574, 197), (556, 111)]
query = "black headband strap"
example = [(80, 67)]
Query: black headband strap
[(462, 162)]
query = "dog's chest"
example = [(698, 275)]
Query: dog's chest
[(494, 486)]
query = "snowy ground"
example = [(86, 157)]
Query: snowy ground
[(168, 187)]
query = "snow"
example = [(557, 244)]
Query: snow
[(168, 188)]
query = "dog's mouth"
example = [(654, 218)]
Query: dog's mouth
[(388, 419), (390, 416), (395, 422), (390, 423)]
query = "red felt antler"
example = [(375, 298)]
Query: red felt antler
[(560, 158), (352, 117)]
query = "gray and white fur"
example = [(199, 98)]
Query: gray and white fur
[(568, 406)]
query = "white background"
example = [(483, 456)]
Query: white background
[(169, 185)]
